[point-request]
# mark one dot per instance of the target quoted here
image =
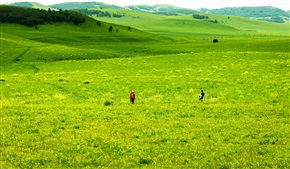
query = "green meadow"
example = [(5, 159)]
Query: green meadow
[(65, 93)]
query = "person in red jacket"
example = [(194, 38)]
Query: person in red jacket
[(132, 97)]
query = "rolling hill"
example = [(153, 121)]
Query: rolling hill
[(162, 9), (32, 5), (90, 40), (265, 13), (187, 25), (134, 34), (83, 5)]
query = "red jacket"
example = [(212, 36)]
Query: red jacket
[(132, 95)]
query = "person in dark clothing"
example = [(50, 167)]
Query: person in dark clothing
[(201, 96), (132, 97)]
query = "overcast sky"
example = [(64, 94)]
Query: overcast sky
[(194, 4)]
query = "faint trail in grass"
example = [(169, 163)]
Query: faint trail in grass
[(66, 91), (62, 89), (23, 53), (36, 69), (17, 59)]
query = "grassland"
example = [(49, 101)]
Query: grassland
[(65, 96), (187, 26)]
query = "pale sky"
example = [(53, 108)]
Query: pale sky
[(193, 4)]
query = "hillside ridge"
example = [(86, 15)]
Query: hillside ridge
[(265, 13)]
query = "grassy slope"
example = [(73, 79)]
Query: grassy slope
[(96, 41), (88, 41), (54, 115), (187, 35), (39, 6), (186, 24)]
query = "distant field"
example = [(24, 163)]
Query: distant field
[(226, 26), (65, 42), (65, 94)]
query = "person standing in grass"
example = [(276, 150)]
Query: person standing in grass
[(132, 97), (201, 96)]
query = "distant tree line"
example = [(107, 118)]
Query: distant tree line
[(84, 5), (266, 13), (99, 13), (263, 11), (205, 18), (118, 15), (88, 11), (197, 16), (32, 17), (212, 21), (277, 19), (166, 13)]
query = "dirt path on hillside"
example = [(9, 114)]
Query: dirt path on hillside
[(17, 59), (22, 54)]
